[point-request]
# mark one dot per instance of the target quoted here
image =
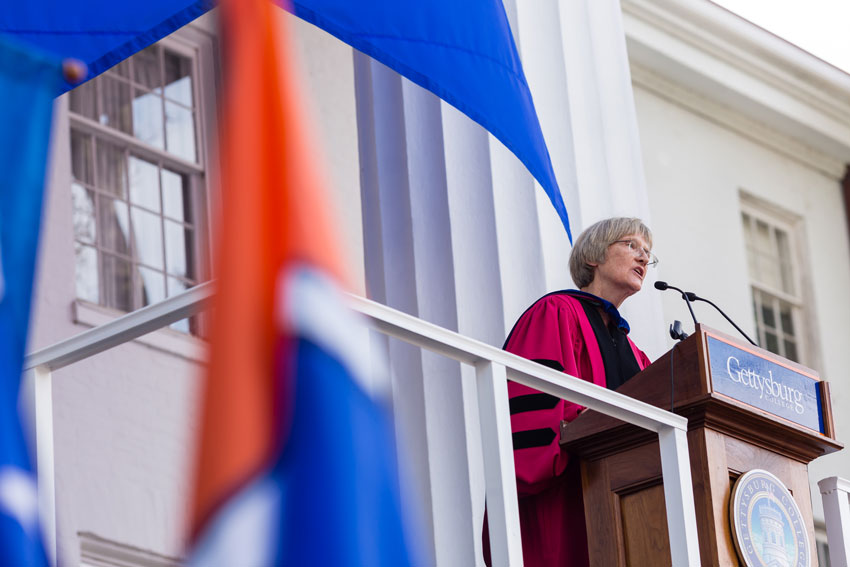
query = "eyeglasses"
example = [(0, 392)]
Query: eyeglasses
[(639, 251)]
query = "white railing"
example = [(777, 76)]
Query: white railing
[(493, 368), (835, 492), (40, 365)]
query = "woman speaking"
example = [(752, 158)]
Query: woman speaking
[(579, 332)]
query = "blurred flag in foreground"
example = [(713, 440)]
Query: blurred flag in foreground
[(296, 462), (463, 52), (28, 83)]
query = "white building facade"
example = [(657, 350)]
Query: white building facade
[(729, 142)]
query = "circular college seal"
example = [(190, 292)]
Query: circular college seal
[(768, 527)]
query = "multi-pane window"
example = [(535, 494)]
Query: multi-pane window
[(137, 181), (777, 299)]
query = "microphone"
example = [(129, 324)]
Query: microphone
[(676, 331), (659, 285), (694, 297)]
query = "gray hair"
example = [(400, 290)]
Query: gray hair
[(592, 245)]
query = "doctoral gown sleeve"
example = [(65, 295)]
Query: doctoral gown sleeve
[(642, 360), (547, 333)]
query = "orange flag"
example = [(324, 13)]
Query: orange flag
[(293, 449), (273, 211)]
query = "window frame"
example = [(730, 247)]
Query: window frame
[(198, 41), (799, 300), (193, 174)]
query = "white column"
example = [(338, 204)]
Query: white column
[(478, 270), (575, 59), (451, 413), (409, 266), (537, 31), (378, 88), (521, 263)]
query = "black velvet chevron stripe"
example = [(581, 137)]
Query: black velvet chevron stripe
[(533, 438), (532, 402)]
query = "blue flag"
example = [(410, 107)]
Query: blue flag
[(461, 51), (340, 502), (28, 83), (100, 33)]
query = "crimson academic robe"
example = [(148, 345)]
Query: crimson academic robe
[(554, 331)]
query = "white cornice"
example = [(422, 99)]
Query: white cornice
[(708, 58), (737, 122)]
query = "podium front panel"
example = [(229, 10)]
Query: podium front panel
[(765, 382)]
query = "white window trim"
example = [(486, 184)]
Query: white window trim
[(803, 313), (168, 340), (197, 39), (140, 148), (775, 217)]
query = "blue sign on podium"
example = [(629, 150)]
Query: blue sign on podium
[(753, 378)]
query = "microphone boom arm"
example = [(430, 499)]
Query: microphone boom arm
[(695, 297), (691, 309), (661, 286)]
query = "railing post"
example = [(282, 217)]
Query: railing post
[(499, 473), (43, 416), (836, 510), (679, 496)]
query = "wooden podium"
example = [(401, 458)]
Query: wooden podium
[(741, 416)]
